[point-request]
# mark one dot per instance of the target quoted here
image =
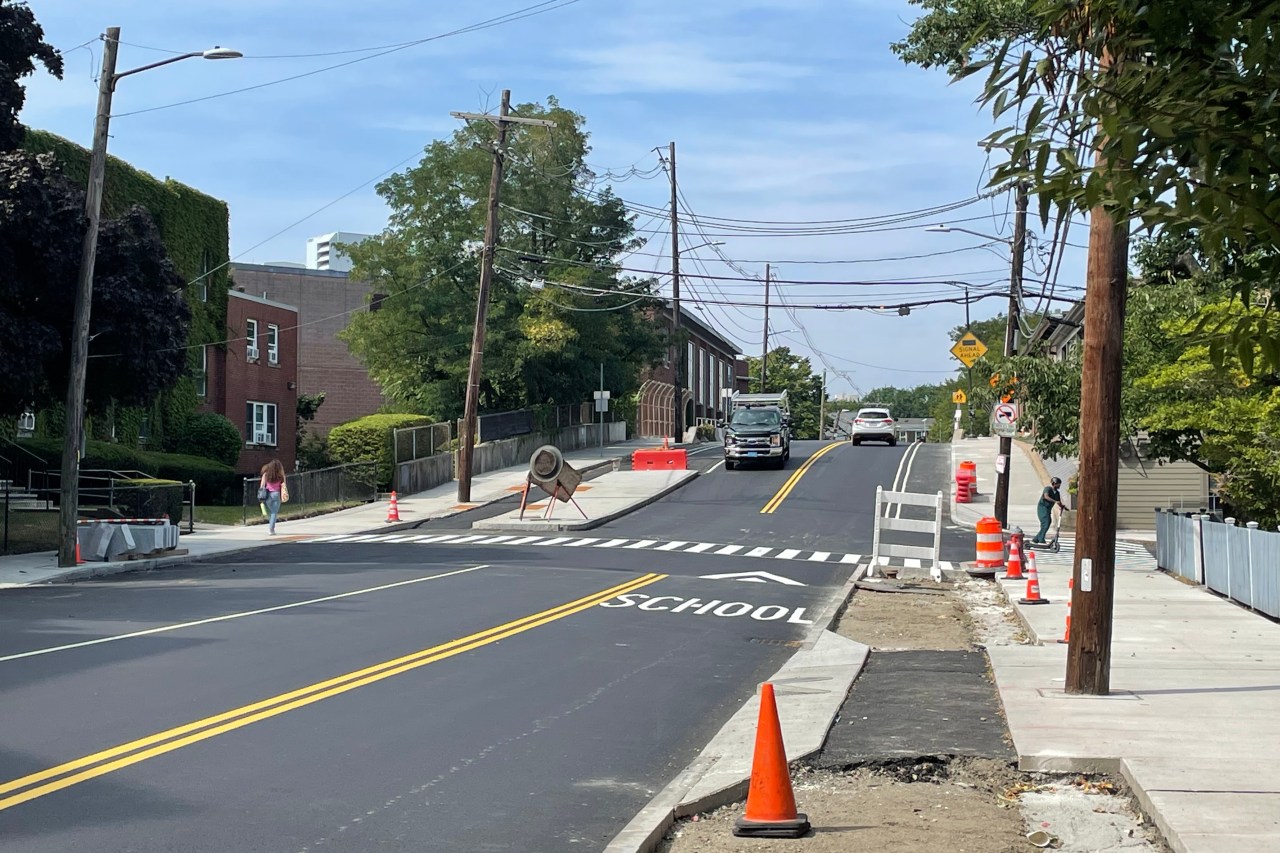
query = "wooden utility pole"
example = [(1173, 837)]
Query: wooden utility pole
[(466, 441), (764, 352), (1089, 650), (1017, 251), (677, 378), (822, 408)]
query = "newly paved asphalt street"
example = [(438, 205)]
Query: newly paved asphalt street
[(410, 696)]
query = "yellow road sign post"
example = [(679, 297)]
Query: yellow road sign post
[(969, 349)]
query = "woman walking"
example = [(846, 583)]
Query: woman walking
[(272, 491)]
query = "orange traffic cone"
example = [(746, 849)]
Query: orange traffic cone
[(79, 562), (771, 805), (1014, 570), (393, 511), (1033, 583), (1066, 632)]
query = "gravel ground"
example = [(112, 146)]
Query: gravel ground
[(930, 804)]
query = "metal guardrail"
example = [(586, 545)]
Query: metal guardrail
[(1241, 563)]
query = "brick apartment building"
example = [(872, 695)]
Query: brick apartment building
[(710, 367), (254, 381), (325, 301)]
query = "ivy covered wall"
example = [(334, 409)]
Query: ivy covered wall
[(195, 229)]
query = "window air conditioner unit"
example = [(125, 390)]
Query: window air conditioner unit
[(262, 438), (251, 353), (27, 421), (273, 357)]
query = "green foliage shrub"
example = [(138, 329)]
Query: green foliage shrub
[(211, 436), (369, 439)]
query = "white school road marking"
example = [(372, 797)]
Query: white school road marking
[(753, 577)]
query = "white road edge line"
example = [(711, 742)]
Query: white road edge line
[(164, 628)]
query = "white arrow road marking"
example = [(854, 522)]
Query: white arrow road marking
[(753, 577)]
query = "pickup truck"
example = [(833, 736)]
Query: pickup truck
[(758, 430)]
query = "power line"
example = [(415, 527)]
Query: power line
[(519, 14)]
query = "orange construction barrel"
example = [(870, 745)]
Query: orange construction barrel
[(990, 544), (971, 470)]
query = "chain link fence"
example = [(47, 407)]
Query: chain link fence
[(315, 492)]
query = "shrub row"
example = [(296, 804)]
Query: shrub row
[(371, 439), (215, 483)]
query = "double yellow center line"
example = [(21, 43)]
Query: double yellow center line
[(71, 773), (776, 500)]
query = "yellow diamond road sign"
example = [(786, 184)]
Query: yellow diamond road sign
[(959, 397), (969, 349)]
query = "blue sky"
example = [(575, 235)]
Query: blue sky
[(781, 110)]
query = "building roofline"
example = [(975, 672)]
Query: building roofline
[(262, 300), (687, 318), (273, 268)]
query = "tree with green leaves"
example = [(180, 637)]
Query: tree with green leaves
[(138, 332), (560, 305), (22, 45), (795, 375)]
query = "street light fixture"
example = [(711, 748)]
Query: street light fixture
[(69, 497), (944, 228)]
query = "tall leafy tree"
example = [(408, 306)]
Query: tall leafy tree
[(560, 306), (22, 46), (139, 319), (795, 375)]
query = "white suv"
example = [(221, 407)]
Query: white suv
[(874, 424)]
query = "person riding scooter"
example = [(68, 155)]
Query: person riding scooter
[(1044, 508)]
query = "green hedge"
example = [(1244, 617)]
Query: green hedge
[(369, 439), (211, 436), (215, 483), (150, 498)]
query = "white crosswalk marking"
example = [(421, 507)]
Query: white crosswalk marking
[(683, 547)]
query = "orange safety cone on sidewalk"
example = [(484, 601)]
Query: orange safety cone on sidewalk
[(1033, 583), (79, 562), (393, 511), (1066, 632), (1014, 571), (771, 805)]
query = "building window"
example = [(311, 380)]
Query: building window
[(202, 378), (273, 343), (260, 423), (251, 340), (689, 367)]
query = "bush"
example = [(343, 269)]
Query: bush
[(706, 432), (215, 482), (150, 498), (369, 439), (313, 451), (211, 436)]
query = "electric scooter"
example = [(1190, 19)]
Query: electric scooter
[(1053, 545)]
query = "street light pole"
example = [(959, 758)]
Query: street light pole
[(1011, 338), (764, 354), (69, 499), (677, 396), (69, 487)]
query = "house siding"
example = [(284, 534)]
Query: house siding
[(1143, 485)]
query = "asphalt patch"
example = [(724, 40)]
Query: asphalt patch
[(914, 704)]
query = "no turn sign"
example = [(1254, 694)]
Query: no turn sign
[(1005, 413)]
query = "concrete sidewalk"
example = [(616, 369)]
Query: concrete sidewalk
[(440, 502), (1193, 720)]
